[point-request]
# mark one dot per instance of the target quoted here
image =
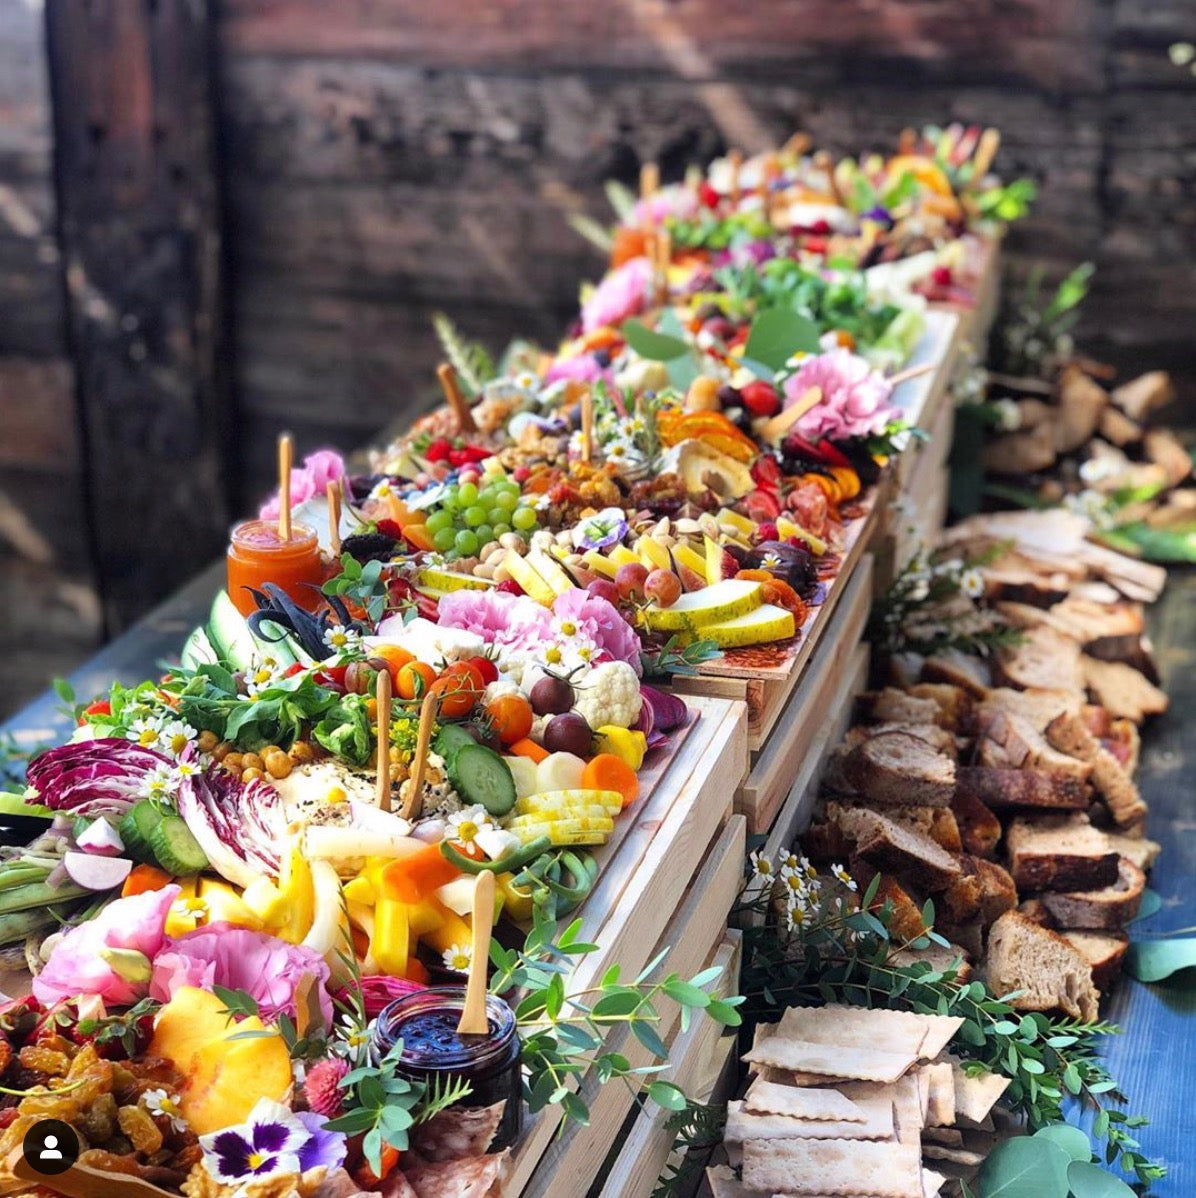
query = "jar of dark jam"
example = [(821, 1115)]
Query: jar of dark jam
[(426, 1022)]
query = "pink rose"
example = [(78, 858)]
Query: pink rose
[(87, 958), (855, 398), (312, 478), (623, 293), (678, 201), (222, 954)]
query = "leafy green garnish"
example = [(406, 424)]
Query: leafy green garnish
[(360, 584), (346, 730), (471, 360)]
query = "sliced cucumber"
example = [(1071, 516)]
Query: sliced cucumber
[(175, 849), (282, 649), (12, 803), (479, 775), (449, 740), (228, 631), (136, 827), (197, 650)]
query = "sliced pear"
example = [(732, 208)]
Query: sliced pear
[(745, 525), (691, 559), (550, 571), (714, 561), (653, 554)]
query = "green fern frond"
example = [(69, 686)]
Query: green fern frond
[(621, 197), (442, 1092), (596, 234), (471, 361)]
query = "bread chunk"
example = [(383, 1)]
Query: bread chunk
[(1048, 971)]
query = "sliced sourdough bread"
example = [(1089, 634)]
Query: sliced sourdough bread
[(1142, 852), (1010, 789), (897, 768), (1043, 658), (1069, 734), (904, 850), (953, 702), (1107, 909), (973, 674), (1048, 972), (1121, 689), (984, 891), (1104, 952), (1022, 746), (894, 705), (979, 829), (1037, 706), (1059, 853)]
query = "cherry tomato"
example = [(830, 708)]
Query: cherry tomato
[(457, 694), (466, 669), (485, 667), (414, 679), (364, 1175), (512, 717), (99, 707), (395, 659)]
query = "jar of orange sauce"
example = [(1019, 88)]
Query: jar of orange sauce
[(257, 554)]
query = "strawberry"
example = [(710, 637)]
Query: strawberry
[(760, 398), (765, 472), (941, 276), (709, 197), (438, 450)]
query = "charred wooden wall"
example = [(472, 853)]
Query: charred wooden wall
[(379, 160)]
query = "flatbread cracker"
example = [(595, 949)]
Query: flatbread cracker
[(941, 1077), (834, 1168), (958, 1156), (800, 1102), (795, 1077), (975, 1096), (863, 1027), (907, 1106), (471, 1177), (744, 1125), (951, 1136), (457, 1132), (832, 1060), (932, 1183)]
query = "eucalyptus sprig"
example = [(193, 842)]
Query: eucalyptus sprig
[(563, 1031), (360, 584), (673, 657), (841, 950)]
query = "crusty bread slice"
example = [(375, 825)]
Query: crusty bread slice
[(1037, 706), (898, 847), (1122, 690), (936, 822), (1124, 741), (1107, 909), (897, 768), (1060, 853), (937, 957), (1140, 396), (892, 705), (1163, 447), (1081, 400), (953, 702), (1048, 973), (984, 891), (1022, 452), (905, 918), (973, 674), (1043, 658), (979, 828), (1142, 852), (938, 738), (1134, 651), (1069, 734), (1117, 428), (1022, 746), (1009, 789), (1104, 952)]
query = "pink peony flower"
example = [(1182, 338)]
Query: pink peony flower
[(222, 954), (855, 398), (87, 959), (623, 293), (512, 622), (582, 368), (312, 478), (602, 621)]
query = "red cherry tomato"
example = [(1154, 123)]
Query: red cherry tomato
[(485, 667)]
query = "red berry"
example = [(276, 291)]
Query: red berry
[(766, 531), (485, 667), (815, 245), (521, 474), (822, 227), (509, 586), (709, 197), (760, 398), (941, 276), (438, 450)]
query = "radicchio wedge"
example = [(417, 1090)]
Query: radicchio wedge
[(239, 826), (103, 776), (668, 711)]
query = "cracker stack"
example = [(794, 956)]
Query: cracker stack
[(850, 1103), (1004, 789)]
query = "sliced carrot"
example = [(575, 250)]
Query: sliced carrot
[(143, 878), (608, 772), (412, 878), (528, 748)]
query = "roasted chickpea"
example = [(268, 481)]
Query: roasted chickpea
[(207, 741), (278, 764), (301, 751), (222, 750), (252, 761), (252, 775), (232, 762)]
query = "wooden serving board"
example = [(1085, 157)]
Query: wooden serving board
[(646, 876)]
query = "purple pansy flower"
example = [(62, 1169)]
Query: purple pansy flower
[(608, 527), (273, 1140)]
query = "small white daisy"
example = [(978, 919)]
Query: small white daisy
[(146, 732), (177, 735), (184, 770), (352, 1039), (338, 638), (382, 490), (193, 911), (465, 825), (971, 583), (770, 561), (526, 381), (762, 867), (158, 784), (1008, 414), (844, 877), (165, 1106), (458, 957), (795, 918)]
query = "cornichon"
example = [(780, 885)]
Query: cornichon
[(510, 863)]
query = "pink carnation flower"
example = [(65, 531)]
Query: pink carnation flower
[(582, 368), (679, 201), (512, 622), (855, 398), (623, 293), (222, 954), (616, 639), (312, 478), (80, 963)]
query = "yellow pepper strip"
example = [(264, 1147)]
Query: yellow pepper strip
[(225, 905), (361, 890), (298, 892), (451, 930), (390, 945), (630, 746)]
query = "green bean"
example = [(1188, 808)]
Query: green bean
[(508, 864)]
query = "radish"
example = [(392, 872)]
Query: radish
[(523, 770), (96, 873), (559, 771), (102, 839)]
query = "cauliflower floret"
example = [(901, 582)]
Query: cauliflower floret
[(609, 694), (429, 642), (500, 687)]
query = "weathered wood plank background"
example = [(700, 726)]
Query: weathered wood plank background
[(377, 160)]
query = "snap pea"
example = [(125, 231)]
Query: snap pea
[(508, 864)]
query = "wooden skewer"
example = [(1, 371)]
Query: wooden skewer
[(383, 696), (413, 803), (986, 151), (649, 180), (796, 146), (910, 372), (664, 255), (824, 162), (775, 428), (333, 491), (907, 141), (84, 1181), (455, 398), (286, 453), (473, 1017), (587, 425)]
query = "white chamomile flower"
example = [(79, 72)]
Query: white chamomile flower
[(458, 957), (184, 770), (762, 867), (382, 489), (843, 876), (971, 583), (165, 1106), (1008, 414), (795, 918), (177, 735), (789, 864), (264, 673), (339, 639), (352, 1038), (770, 561), (465, 825), (146, 732), (193, 911), (158, 784)]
